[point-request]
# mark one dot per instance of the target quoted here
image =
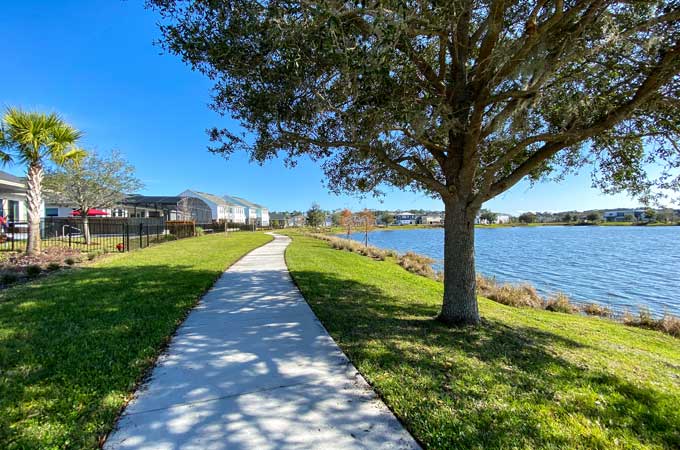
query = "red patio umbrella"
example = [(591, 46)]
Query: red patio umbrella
[(91, 212)]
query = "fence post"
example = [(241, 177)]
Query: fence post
[(141, 242), (147, 234), (69, 236)]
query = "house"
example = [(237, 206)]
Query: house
[(405, 218), (255, 214), (12, 198), (296, 221), (220, 209), (622, 215), (429, 219), (278, 220), (502, 218), (169, 208)]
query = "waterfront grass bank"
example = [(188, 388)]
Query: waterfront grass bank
[(74, 345), (524, 379)]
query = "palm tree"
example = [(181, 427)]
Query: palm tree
[(33, 138)]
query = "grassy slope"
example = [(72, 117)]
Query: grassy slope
[(74, 345), (525, 379)]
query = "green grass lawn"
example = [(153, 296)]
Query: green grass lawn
[(74, 345), (524, 379)]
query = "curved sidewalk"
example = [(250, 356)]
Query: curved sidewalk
[(253, 368)]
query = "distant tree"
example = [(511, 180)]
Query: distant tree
[(629, 218), (594, 216), (650, 214), (95, 182), (315, 216), (34, 139), (527, 217), (366, 221), (567, 217), (488, 216), (336, 219), (387, 218), (347, 220), (462, 99), (666, 215)]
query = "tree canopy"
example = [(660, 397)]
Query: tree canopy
[(462, 98)]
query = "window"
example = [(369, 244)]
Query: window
[(51, 212), (13, 211)]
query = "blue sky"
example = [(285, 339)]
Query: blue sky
[(94, 62)]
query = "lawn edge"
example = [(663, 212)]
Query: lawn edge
[(375, 389)]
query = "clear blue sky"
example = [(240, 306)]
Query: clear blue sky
[(94, 62)]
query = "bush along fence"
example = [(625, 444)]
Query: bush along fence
[(113, 234), (222, 226)]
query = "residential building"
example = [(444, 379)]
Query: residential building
[(502, 218), (296, 221), (255, 214), (621, 215), (405, 218), (169, 208), (12, 198), (429, 219), (220, 209), (278, 220)]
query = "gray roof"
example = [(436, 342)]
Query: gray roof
[(211, 197), (4, 176), (244, 202)]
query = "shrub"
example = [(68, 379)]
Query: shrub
[(70, 261), (418, 264), (9, 278), (522, 295), (199, 231), (671, 325), (560, 303), (33, 271), (53, 266), (593, 309)]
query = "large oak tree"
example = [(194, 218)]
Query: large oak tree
[(459, 98)]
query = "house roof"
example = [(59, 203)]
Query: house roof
[(8, 179), (211, 197), (242, 202)]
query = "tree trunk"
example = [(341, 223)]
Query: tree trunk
[(34, 197), (460, 298), (86, 225)]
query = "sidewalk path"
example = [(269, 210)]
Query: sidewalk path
[(253, 368)]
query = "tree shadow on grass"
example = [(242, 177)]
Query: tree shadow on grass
[(501, 385), (73, 345)]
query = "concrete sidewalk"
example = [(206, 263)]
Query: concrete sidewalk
[(253, 368)]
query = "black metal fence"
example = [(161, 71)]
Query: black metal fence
[(105, 234)]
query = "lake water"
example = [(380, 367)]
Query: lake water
[(622, 267)]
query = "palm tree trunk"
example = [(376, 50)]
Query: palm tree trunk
[(34, 197)]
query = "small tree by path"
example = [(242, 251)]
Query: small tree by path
[(366, 220), (34, 139), (347, 221), (315, 216), (95, 182)]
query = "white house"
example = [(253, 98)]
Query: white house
[(405, 218), (255, 214), (220, 208), (12, 198)]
